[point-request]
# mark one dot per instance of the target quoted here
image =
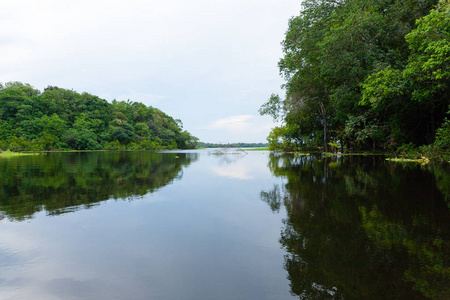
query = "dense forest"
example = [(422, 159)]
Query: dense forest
[(365, 75), (64, 119)]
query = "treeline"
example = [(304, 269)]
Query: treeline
[(64, 119), (365, 75), (232, 145)]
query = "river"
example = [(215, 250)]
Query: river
[(206, 224)]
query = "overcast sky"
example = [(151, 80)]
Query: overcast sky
[(210, 63)]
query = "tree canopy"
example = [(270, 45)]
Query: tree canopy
[(364, 75), (64, 119)]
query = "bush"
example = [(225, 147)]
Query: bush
[(81, 139), (114, 145), (443, 135), (408, 151)]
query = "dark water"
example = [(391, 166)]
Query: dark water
[(190, 225)]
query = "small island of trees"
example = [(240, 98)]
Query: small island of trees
[(61, 119)]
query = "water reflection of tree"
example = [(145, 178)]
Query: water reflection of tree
[(361, 228), (63, 182)]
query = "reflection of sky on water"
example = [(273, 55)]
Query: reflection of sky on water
[(232, 171), (199, 238), (239, 165)]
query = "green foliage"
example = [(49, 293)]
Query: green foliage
[(19, 144), (122, 132), (186, 141), (11, 100), (271, 107), (53, 125), (114, 145), (278, 139), (10, 154), (443, 136), (386, 84), (150, 145), (6, 130), (275, 138), (429, 62), (82, 139), (416, 94), (407, 150), (64, 119), (367, 74), (45, 141)]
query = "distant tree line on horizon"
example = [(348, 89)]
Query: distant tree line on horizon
[(365, 75), (231, 145), (61, 119)]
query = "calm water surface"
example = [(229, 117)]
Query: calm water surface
[(191, 225)]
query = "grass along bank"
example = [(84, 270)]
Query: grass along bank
[(15, 154)]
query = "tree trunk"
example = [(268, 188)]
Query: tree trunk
[(323, 112)]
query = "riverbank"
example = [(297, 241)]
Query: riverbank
[(414, 156), (7, 154)]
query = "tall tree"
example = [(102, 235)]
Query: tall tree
[(329, 51)]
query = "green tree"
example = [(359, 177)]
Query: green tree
[(11, 101), (81, 139), (61, 118), (414, 97), (6, 132), (53, 125), (329, 50)]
